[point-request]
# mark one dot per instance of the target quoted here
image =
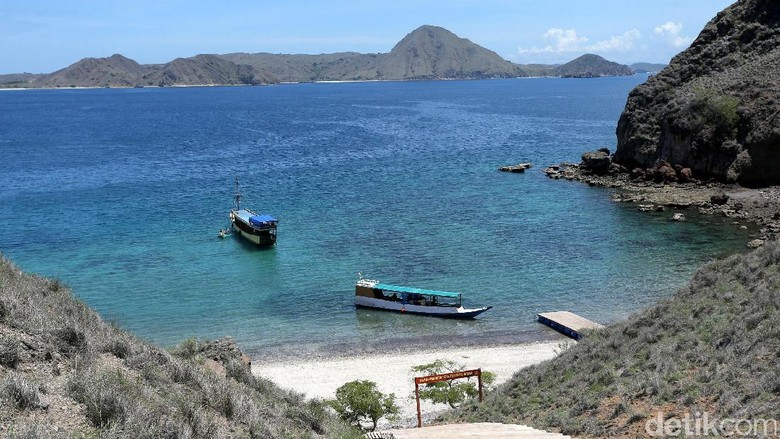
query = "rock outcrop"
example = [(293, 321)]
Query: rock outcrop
[(716, 108)]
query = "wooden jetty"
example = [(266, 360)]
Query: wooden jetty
[(567, 323)]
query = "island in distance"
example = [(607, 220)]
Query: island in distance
[(427, 53)]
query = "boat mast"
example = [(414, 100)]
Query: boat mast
[(237, 196)]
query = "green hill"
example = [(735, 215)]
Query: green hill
[(64, 372), (712, 348)]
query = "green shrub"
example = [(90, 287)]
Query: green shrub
[(716, 110), (359, 402), (451, 392)]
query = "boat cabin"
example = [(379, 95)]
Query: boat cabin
[(408, 295)]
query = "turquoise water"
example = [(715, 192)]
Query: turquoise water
[(120, 194)]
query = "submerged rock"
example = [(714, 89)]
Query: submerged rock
[(520, 167)]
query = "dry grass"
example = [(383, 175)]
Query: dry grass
[(64, 372), (712, 348)]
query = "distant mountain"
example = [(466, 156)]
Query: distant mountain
[(591, 66), (17, 79), (120, 71), (646, 67), (207, 70), (428, 52), (432, 52), (114, 71), (344, 66)]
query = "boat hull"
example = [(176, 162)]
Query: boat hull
[(261, 239), (264, 236), (407, 308)]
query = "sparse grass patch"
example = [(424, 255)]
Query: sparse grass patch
[(9, 352), (20, 392)]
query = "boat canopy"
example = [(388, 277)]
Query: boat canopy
[(261, 220), (387, 287)]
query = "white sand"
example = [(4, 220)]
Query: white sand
[(392, 372)]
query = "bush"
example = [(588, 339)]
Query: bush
[(359, 402), (20, 392), (452, 392), (9, 353)]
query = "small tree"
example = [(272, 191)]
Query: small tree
[(360, 402), (451, 392)]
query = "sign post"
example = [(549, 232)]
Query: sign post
[(430, 379)]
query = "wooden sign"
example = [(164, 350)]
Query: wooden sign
[(430, 379)]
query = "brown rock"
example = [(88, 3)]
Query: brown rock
[(719, 199), (685, 175), (664, 173)]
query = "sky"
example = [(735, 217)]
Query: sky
[(41, 36)]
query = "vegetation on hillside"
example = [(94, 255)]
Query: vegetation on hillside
[(64, 372), (713, 348)]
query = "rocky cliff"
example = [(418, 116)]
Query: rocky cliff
[(716, 107)]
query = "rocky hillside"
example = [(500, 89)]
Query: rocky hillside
[(716, 107), (591, 66), (344, 66), (114, 71), (206, 70), (713, 348), (65, 373), (119, 71)]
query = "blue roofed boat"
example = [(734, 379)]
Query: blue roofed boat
[(259, 229), (374, 294)]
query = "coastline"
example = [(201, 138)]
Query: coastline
[(319, 378), (746, 208)]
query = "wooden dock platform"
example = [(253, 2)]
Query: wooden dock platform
[(567, 323)]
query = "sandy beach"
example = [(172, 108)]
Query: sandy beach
[(392, 372)]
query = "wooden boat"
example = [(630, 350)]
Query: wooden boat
[(252, 226), (373, 294)]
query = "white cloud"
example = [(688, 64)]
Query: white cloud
[(619, 43), (564, 40), (567, 40), (670, 31)]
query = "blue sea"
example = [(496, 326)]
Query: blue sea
[(120, 195)]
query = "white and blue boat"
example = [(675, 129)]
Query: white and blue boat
[(259, 229), (374, 294)]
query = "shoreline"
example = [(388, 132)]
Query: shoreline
[(745, 207), (319, 378)]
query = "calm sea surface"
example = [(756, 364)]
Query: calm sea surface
[(120, 194)]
